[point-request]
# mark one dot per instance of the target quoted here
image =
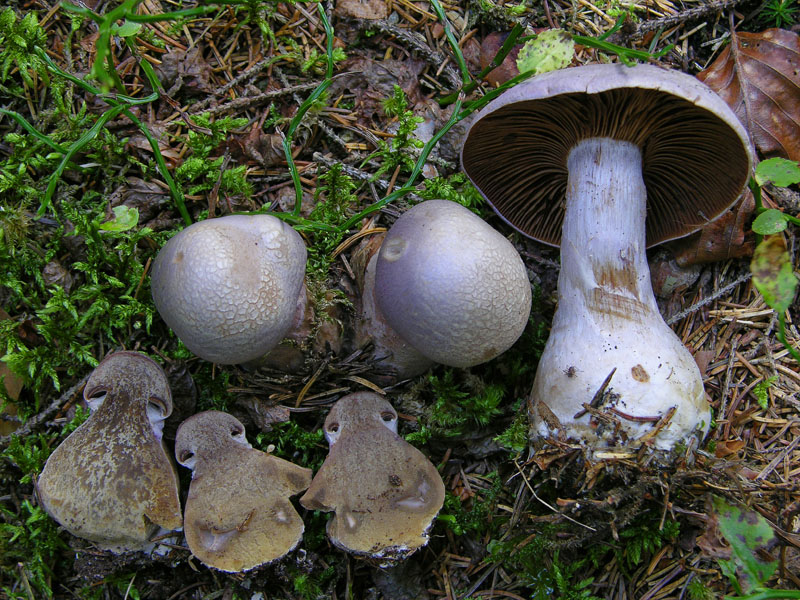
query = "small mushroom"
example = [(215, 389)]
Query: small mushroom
[(451, 287), (231, 288), (577, 158), (384, 491), (238, 515), (111, 480)]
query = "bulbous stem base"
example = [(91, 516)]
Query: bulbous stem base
[(607, 319)]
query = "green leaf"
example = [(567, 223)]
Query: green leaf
[(549, 51), (127, 29), (770, 221), (772, 273), (125, 218), (779, 171), (746, 532)]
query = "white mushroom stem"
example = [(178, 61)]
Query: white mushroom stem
[(607, 318)]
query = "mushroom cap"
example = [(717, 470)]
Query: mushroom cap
[(238, 515), (696, 155), (450, 285), (385, 492), (229, 287), (111, 481)]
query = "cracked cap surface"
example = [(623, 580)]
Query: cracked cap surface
[(229, 286)]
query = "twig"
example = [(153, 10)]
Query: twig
[(777, 460), (716, 295), (682, 17), (248, 101), (598, 395), (417, 42), (551, 507), (356, 173), (45, 415)]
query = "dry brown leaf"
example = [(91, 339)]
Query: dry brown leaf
[(727, 237), (758, 76), (728, 447), (362, 9)]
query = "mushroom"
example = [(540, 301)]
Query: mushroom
[(576, 158), (384, 491), (448, 286), (238, 515), (111, 480), (231, 288)]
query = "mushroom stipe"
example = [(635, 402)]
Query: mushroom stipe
[(238, 515)]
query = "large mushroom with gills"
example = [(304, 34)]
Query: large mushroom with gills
[(606, 161)]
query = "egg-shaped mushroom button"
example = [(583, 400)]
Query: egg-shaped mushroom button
[(385, 492), (450, 286), (231, 288), (238, 515), (605, 161), (111, 481)]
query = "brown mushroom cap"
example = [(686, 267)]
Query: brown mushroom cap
[(385, 492), (111, 481), (238, 515), (229, 287), (696, 156)]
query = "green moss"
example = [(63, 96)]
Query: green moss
[(473, 517), (106, 301)]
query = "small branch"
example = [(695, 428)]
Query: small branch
[(685, 16), (598, 395), (45, 415), (417, 42), (716, 295)]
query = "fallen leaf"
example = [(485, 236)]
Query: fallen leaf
[(728, 447), (264, 414), (186, 70), (370, 82), (747, 532), (772, 273), (264, 148), (758, 76), (548, 51), (490, 46), (362, 9), (703, 358), (727, 237), (712, 543)]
